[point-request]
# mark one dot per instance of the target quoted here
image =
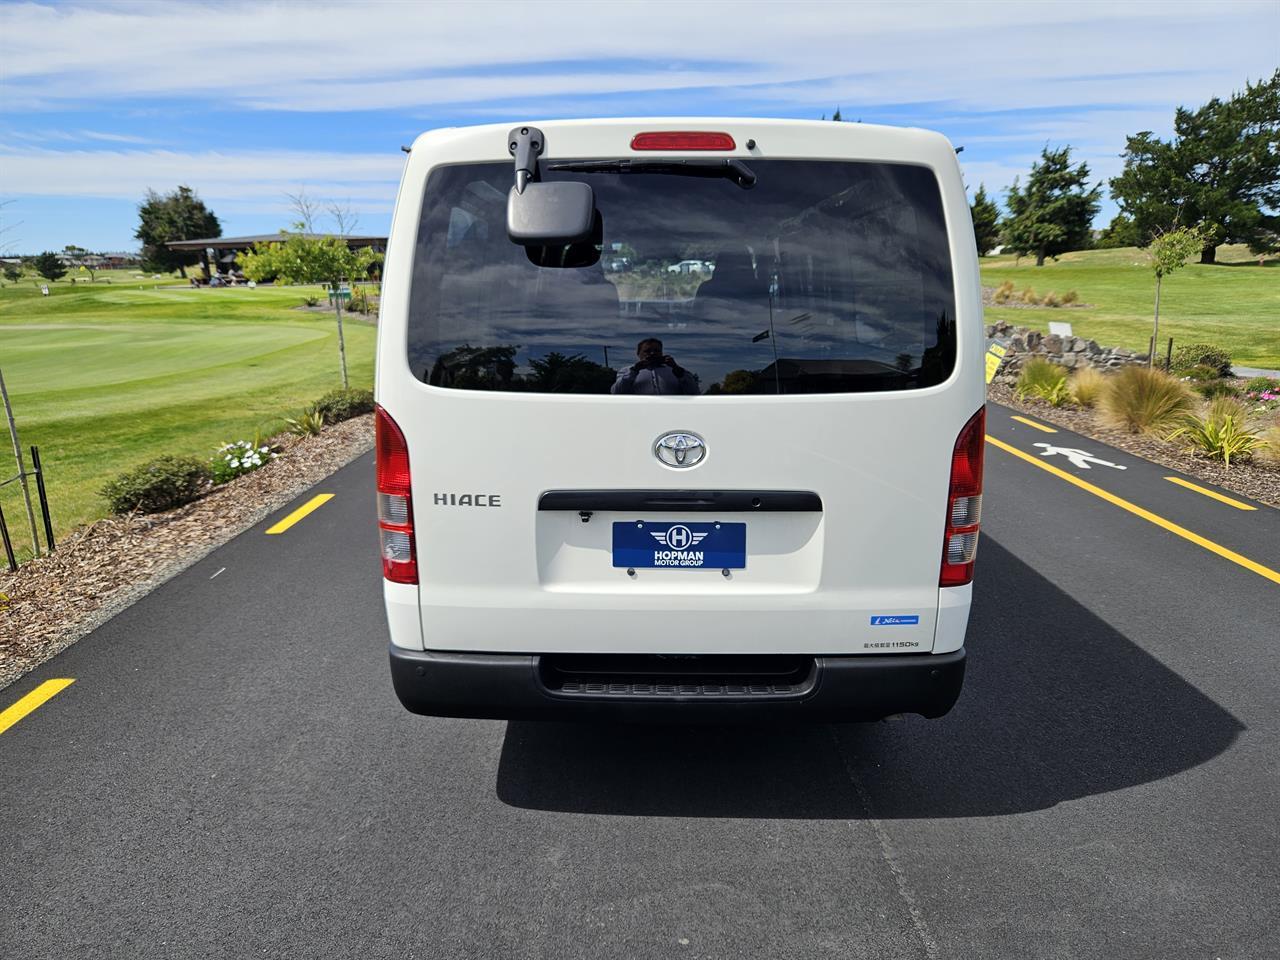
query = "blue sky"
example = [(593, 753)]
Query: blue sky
[(247, 102)]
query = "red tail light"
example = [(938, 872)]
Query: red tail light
[(964, 503), (683, 140), (395, 505)]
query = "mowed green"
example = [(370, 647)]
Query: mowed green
[(107, 376), (1234, 304)]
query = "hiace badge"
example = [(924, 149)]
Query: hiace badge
[(645, 543)]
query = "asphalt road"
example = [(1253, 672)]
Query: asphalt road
[(231, 775)]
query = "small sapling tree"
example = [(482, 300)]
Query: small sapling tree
[(307, 258), (1168, 252)]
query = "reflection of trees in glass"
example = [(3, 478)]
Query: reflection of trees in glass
[(475, 368), (939, 360), (737, 381), (558, 373), (494, 368)]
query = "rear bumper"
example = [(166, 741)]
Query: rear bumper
[(512, 687)]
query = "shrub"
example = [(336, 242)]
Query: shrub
[(1004, 292), (309, 424), (1143, 400), (1044, 381), (162, 484), (342, 405), (1029, 295), (1221, 433), (1196, 354), (1070, 297), (360, 302), (1087, 385), (236, 459), (1050, 299), (1217, 388), (1262, 385), (1269, 448), (311, 301), (1201, 373)]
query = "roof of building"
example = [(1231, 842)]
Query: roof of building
[(244, 243)]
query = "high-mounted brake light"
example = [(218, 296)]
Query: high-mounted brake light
[(395, 506), (964, 503), (683, 140)]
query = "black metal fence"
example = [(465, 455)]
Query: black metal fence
[(36, 472)]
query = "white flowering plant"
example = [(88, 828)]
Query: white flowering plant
[(236, 459)]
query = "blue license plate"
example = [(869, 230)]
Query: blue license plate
[(646, 543)]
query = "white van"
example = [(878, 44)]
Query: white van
[(745, 491)]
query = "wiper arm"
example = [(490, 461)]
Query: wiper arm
[(728, 169)]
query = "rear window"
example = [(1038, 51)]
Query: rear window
[(826, 277)]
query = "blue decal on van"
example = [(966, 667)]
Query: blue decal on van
[(894, 621)]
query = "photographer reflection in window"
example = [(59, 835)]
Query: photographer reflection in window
[(655, 373)]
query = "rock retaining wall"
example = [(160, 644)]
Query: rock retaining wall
[(1024, 343)]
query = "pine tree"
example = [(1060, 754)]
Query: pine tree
[(1220, 172), (985, 216), (49, 266), (1054, 212), (179, 215)]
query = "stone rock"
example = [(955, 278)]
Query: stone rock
[(1092, 348), (1070, 360), (1053, 343), (1017, 345), (1034, 339), (1077, 345), (991, 330)]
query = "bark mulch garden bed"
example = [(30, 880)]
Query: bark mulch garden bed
[(102, 568), (1255, 479)]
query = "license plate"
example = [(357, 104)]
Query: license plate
[(646, 543)]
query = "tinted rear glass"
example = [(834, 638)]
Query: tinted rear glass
[(827, 277)]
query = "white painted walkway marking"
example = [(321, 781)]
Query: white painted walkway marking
[(1078, 458)]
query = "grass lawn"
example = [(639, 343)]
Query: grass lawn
[(106, 376), (1234, 304)]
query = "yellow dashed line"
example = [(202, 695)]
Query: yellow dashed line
[(315, 503), (1032, 423), (1147, 515), (1211, 493), (46, 690)]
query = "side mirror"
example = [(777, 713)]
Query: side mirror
[(551, 214)]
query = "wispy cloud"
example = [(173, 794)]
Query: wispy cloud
[(242, 175), (397, 56), (74, 136)]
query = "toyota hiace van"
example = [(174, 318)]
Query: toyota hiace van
[(680, 419)]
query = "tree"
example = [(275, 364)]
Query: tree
[(1169, 252), (49, 266), (1121, 232), (1220, 172), (985, 216), (179, 215), (74, 253), (307, 258), (558, 373), (1055, 212)]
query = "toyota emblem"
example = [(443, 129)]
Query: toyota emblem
[(680, 449)]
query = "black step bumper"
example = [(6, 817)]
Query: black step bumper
[(514, 687)]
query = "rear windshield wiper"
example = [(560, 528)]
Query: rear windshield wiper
[(728, 169)]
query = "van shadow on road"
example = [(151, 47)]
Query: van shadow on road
[(1057, 705)]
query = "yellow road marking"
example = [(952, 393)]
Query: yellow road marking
[(1211, 493), (1032, 423), (315, 503), (1147, 515), (46, 690)]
